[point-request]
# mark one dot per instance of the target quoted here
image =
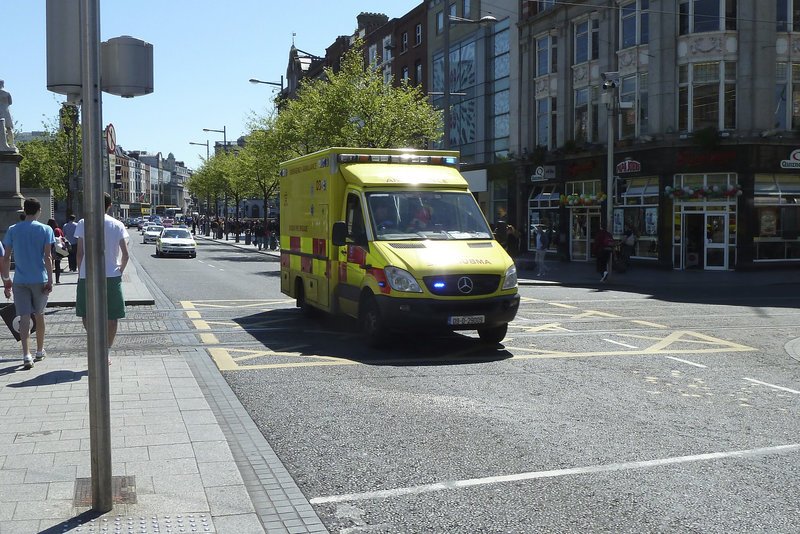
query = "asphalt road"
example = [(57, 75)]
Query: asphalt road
[(603, 411)]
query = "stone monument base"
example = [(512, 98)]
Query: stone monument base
[(11, 200)]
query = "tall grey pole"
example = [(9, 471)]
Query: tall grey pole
[(610, 171), (97, 337), (446, 95)]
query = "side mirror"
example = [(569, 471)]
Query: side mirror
[(339, 236)]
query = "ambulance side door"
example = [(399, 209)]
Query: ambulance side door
[(352, 256)]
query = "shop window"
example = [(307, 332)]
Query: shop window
[(640, 214), (777, 200), (499, 190)]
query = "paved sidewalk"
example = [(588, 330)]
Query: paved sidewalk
[(186, 456)]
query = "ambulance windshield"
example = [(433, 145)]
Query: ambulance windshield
[(401, 215)]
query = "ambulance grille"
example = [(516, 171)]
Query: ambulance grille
[(462, 285), (407, 245)]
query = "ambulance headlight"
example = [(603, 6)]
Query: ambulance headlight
[(401, 280), (510, 279)]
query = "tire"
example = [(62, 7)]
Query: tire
[(493, 335), (300, 295), (371, 324)]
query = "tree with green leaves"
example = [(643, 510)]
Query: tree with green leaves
[(51, 160), (355, 107)]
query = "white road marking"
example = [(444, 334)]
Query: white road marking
[(619, 343), (622, 466), (700, 365), (772, 386)]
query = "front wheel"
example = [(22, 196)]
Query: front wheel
[(493, 335), (371, 323)]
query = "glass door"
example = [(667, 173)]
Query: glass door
[(716, 246)]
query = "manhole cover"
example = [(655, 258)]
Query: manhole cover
[(123, 490)]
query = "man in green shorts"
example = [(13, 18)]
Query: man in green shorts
[(116, 261)]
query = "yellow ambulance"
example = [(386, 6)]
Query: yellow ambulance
[(394, 239)]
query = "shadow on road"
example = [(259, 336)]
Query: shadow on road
[(289, 332)]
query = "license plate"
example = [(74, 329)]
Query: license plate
[(459, 320)]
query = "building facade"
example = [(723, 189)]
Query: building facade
[(681, 114)]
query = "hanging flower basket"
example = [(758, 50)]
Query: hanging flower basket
[(582, 200), (706, 191)]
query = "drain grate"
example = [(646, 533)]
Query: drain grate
[(123, 490)]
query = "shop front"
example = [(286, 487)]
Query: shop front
[(704, 221), (584, 200)]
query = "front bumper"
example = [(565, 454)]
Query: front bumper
[(178, 251), (435, 314)]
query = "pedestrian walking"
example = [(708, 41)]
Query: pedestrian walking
[(603, 246), (58, 234), (31, 242), (542, 244), (69, 234), (116, 259)]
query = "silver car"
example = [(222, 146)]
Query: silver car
[(150, 235)]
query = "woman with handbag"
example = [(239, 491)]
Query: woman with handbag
[(59, 247)]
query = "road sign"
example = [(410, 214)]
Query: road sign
[(111, 138)]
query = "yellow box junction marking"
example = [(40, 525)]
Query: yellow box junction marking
[(661, 346), (646, 323)]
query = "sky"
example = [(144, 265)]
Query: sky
[(204, 53)]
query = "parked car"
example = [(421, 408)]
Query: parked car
[(176, 241), (152, 233)]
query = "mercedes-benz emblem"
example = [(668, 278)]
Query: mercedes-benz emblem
[(465, 284)]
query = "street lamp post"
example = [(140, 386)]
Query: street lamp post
[(224, 133), (208, 155), (488, 19), (256, 80)]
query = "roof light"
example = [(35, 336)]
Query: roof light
[(397, 158)]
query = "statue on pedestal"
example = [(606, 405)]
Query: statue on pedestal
[(6, 125)]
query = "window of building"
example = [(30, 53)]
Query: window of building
[(418, 72), (463, 115), (452, 10), (634, 23), (387, 48), (499, 200), (695, 16), (418, 34), (707, 96), (787, 15), (466, 9), (640, 214), (439, 22), (543, 206), (546, 56), (546, 4), (633, 97), (501, 105), (586, 115), (387, 75), (373, 54), (405, 73), (542, 122), (587, 41), (787, 96), (777, 231), (546, 122), (404, 42)]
